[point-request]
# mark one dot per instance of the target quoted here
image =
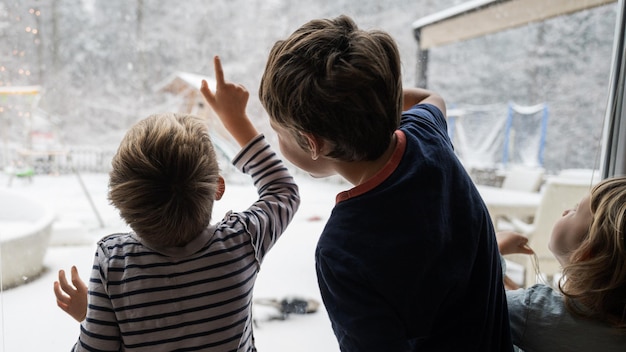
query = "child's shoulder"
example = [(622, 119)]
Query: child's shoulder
[(537, 295), (114, 237), (425, 111), (425, 115), (116, 241)]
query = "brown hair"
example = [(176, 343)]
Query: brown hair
[(596, 274), (164, 177), (338, 82)]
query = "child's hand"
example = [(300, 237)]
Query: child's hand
[(229, 103), (510, 242), (72, 299), (509, 284)]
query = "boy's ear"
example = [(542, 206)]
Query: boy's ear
[(316, 144), (221, 188)]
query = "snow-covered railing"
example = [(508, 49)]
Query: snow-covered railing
[(58, 161)]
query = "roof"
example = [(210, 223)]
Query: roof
[(480, 17), (195, 80), (192, 80)]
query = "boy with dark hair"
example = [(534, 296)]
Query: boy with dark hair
[(178, 282), (408, 260)]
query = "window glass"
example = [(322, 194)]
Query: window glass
[(75, 74), (562, 63)]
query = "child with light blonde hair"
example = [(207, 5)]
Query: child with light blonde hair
[(588, 310), (177, 281)]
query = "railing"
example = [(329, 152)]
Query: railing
[(21, 162)]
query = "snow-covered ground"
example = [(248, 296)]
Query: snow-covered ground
[(30, 320)]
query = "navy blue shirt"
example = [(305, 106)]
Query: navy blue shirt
[(408, 261)]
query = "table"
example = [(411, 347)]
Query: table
[(503, 202)]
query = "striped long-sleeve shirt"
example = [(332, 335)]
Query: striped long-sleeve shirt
[(197, 297)]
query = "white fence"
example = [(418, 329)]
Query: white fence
[(61, 161), (21, 162)]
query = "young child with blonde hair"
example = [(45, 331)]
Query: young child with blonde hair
[(588, 310), (177, 281)]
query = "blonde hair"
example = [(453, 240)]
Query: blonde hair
[(596, 275), (164, 178)]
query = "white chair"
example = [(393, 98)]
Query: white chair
[(581, 174), (522, 178), (558, 194)]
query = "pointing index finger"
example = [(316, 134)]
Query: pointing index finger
[(219, 72)]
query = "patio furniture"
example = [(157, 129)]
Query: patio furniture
[(504, 203), (558, 194)]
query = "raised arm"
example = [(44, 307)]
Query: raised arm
[(414, 96), (229, 103)]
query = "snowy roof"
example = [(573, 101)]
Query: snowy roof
[(193, 80), (476, 18), (450, 12)]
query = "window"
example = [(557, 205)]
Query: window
[(74, 74)]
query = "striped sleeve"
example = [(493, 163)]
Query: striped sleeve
[(278, 200), (99, 331)]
